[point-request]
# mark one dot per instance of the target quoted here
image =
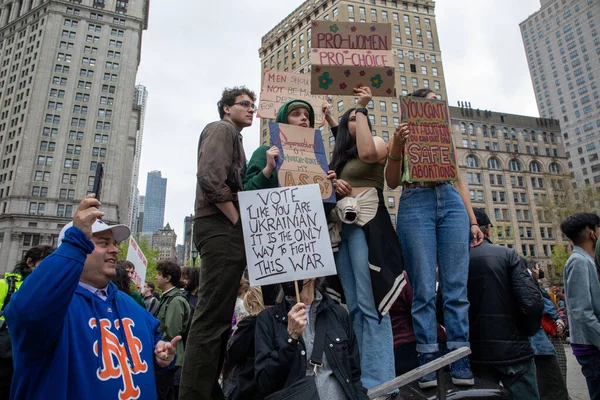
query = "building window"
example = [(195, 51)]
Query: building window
[(472, 162), (515, 165), (534, 166), (494, 163)]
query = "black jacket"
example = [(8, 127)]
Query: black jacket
[(240, 358), (506, 306), (279, 360)]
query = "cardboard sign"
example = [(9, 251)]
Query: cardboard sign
[(138, 259), (279, 87), (285, 235), (429, 152), (348, 54), (302, 159)]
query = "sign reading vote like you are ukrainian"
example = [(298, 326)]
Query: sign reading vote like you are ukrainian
[(285, 234)]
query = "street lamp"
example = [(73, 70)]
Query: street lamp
[(194, 256)]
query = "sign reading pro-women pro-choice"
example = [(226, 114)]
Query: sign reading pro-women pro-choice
[(350, 54), (285, 234), (429, 153)]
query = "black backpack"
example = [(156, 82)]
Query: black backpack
[(5, 343)]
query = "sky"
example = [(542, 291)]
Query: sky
[(191, 52)]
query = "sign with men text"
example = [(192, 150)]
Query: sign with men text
[(285, 235), (279, 87), (138, 259), (347, 55), (302, 159), (429, 152)]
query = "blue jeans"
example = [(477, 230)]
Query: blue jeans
[(590, 367), (518, 378), (433, 227), (375, 340)]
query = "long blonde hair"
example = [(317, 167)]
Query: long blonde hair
[(253, 301)]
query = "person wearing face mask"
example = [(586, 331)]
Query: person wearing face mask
[(550, 381), (10, 284), (582, 295), (287, 334)]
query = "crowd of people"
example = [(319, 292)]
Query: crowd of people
[(401, 298)]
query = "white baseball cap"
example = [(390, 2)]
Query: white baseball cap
[(120, 232)]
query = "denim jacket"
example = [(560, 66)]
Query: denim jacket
[(582, 292), (541, 344)]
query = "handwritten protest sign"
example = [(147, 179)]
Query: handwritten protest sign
[(349, 54), (302, 158), (279, 87), (285, 233), (137, 257), (430, 155)]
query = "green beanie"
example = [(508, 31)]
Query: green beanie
[(292, 105)]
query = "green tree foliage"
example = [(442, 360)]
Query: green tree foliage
[(568, 201), (559, 257), (151, 255)]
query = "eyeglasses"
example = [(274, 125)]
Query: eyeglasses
[(247, 104)]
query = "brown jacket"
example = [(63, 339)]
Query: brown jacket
[(221, 167)]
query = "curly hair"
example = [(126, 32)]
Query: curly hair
[(170, 268), (192, 276), (230, 94), (34, 254), (122, 279)]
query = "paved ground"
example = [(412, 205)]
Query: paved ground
[(575, 380)]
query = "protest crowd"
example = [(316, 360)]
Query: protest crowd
[(398, 298)]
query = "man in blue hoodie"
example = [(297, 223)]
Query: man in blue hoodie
[(75, 336)]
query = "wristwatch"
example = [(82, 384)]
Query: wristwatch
[(362, 110)]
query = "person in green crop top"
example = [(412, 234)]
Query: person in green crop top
[(259, 173)]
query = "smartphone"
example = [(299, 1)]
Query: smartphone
[(97, 188)]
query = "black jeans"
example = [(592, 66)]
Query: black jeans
[(551, 384), (590, 366), (6, 374), (222, 263), (165, 384), (406, 358)]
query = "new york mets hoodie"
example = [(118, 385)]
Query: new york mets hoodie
[(69, 343)]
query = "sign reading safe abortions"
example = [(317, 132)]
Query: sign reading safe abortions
[(429, 152), (285, 235), (350, 54)]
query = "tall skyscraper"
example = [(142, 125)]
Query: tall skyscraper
[(67, 75), (512, 164), (563, 51), (139, 102), (418, 57), (188, 238), (140, 217), (154, 204)]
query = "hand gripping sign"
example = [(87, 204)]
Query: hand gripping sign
[(285, 234), (302, 158), (429, 152)]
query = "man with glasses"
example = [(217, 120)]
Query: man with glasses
[(218, 236)]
